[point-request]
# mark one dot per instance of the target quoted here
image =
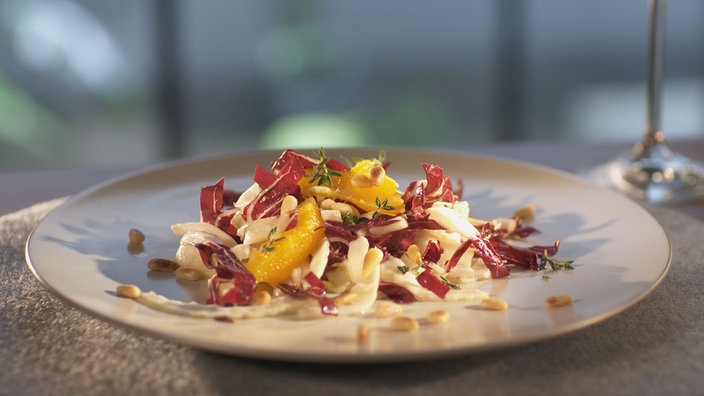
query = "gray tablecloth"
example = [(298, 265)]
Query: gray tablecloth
[(49, 348)]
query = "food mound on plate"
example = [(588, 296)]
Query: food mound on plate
[(315, 236)]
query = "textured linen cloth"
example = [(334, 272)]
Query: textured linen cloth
[(653, 348)]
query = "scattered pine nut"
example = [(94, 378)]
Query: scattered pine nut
[(494, 304), (345, 298), (438, 317), (525, 213), (128, 291), (387, 309), (371, 261), (187, 274), (136, 236), (363, 333), (404, 323), (162, 265), (262, 297), (413, 253), (558, 301)]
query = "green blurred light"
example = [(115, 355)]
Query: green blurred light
[(314, 130), (23, 121)]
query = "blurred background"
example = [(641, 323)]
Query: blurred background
[(86, 83)]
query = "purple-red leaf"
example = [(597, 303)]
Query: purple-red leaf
[(227, 269), (396, 293), (431, 282), (316, 291), (211, 199)]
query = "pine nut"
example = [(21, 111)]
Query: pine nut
[(376, 174), (374, 178), (361, 181), (136, 236), (187, 274), (494, 304), (558, 301), (346, 298), (363, 333), (327, 204), (128, 291), (413, 253), (525, 213), (371, 261), (341, 207), (162, 265), (438, 317), (288, 205), (404, 323), (262, 297), (387, 309)]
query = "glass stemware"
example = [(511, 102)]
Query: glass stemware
[(652, 171)]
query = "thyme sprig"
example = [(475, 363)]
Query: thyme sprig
[(267, 247), (351, 219), (381, 205), (321, 174), (554, 264), (404, 269), (451, 284)]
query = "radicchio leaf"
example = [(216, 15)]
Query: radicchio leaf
[(263, 177), (396, 293), (414, 199), (227, 269), (316, 291), (432, 252), (422, 194), (524, 231), (439, 186), (394, 243), (291, 156), (268, 202), (211, 199), (490, 257), (338, 252), (431, 282), (457, 255), (317, 286)]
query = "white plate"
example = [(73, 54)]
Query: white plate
[(79, 251)]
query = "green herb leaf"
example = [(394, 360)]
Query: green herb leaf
[(447, 282), (321, 174), (556, 264), (350, 219), (267, 248), (381, 205)]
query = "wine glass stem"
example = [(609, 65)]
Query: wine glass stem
[(656, 56)]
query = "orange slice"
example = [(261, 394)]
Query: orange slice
[(376, 194), (273, 262)]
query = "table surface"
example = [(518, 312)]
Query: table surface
[(48, 347)]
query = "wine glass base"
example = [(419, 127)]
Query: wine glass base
[(656, 179)]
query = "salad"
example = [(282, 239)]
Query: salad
[(315, 236)]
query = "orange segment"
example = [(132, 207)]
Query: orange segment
[(274, 263), (365, 197)]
